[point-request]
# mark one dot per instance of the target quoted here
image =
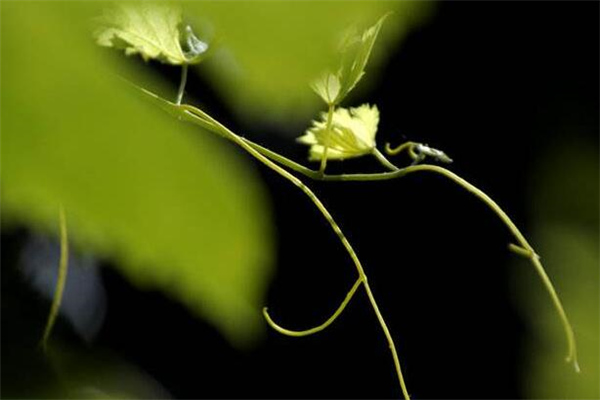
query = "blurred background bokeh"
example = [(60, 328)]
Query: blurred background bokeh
[(178, 238)]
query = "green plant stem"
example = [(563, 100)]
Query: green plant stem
[(520, 251), (572, 353), (396, 172), (406, 146), (60, 280), (182, 83), (524, 248), (319, 328), (384, 161), (294, 166), (326, 149), (388, 336), (199, 117), (317, 202), (323, 164)]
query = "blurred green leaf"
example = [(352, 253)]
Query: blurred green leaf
[(575, 259), (98, 373), (566, 213), (172, 205), (149, 29), (270, 51)]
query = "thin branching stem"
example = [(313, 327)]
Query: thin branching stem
[(269, 158), (323, 164), (384, 161), (523, 249), (317, 202), (60, 280), (406, 146), (182, 83), (395, 172), (321, 327), (389, 338)]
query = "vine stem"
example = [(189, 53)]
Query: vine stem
[(319, 328), (383, 160), (267, 157), (524, 248), (60, 280), (389, 338), (317, 202), (326, 149), (182, 83)]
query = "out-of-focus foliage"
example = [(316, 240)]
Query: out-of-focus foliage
[(174, 208), (150, 29), (272, 50), (98, 373), (566, 212)]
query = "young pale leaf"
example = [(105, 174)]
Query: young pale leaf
[(356, 49), (356, 56), (328, 87), (150, 30), (352, 134)]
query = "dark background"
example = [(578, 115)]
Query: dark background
[(488, 82)]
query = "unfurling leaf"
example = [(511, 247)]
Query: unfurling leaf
[(150, 30), (328, 87), (356, 49), (355, 57), (352, 133)]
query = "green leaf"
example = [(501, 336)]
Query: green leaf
[(352, 134), (150, 30), (356, 49), (355, 56), (172, 206), (328, 87)]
